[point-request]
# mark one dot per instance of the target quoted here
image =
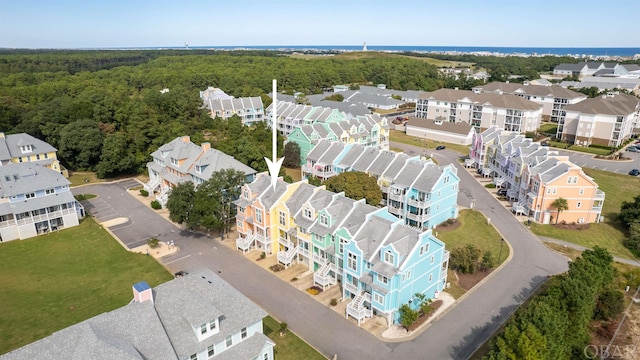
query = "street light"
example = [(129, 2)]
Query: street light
[(500, 254)]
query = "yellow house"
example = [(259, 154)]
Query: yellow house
[(24, 148)]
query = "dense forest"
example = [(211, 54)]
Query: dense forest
[(103, 110)]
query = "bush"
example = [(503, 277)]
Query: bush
[(334, 302), (408, 316), (263, 255), (610, 304), (153, 242), (144, 192), (155, 204), (465, 259), (490, 186)]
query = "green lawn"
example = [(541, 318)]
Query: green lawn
[(589, 150), (474, 229), (289, 346), (295, 173), (399, 136), (549, 128), (56, 280), (610, 233)]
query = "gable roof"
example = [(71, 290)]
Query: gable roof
[(618, 104), (462, 128), (10, 146), (22, 178), (506, 101)]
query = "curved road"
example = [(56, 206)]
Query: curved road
[(455, 336)]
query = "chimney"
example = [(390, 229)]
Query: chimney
[(205, 146), (186, 138), (142, 292)]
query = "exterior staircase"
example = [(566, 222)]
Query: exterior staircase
[(286, 257), (244, 243), (152, 185), (356, 308), (322, 277)]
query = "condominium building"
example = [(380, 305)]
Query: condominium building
[(249, 109), (24, 148), (292, 116), (606, 120), (481, 110)]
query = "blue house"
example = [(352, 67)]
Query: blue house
[(386, 263)]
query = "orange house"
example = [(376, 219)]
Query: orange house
[(557, 178)]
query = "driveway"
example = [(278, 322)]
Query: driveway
[(455, 336)]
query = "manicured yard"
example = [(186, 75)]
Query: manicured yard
[(399, 136), (589, 150), (549, 128), (288, 346), (53, 281), (474, 229), (608, 234)]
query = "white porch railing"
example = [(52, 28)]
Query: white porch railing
[(164, 195), (152, 184), (322, 277), (245, 243), (303, 252), (445, 256), (469, 162), (519, 208), (45, 217), (356, 308), (286, 257), (319, 259)]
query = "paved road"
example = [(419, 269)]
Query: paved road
[(589, 161)]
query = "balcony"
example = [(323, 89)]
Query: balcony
[(396, 197), (320, 259), (304, 252), (350, 287), (396, 211), (356, 308), (284, 242), (286, 257), (599, 195), (418, 218), (421, 204), (245, 243), (445, 256), (44, 217), (322, 277), (443, 274)]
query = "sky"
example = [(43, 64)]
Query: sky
[(148, 23)]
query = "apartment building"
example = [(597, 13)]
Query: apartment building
[(180, 160), (381, 262), (249, 109), (35, 200), (606, 120), (553, 98), (481, 110), (24, 148), (195, 317), (292, 116)]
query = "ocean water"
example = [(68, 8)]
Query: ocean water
[(573, 51)]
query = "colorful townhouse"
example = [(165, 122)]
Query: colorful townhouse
[(35, 200), (24, 148), (380, 262), (249, 109), (370, 130), (418, 191), (481, 110), (291, 116), (181, 160), (194, 317), (606, 120), (534, 176), (553, 98)]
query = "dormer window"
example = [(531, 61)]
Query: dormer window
[(26, 149), (174, 161), (388, 257), (324, 220), (307, 213), (199, 169), (246, 194), (212, 324), (203, 329)]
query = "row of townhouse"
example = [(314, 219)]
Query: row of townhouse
[(291, 116), (19, 148), (606, 120), (420, 192), (249, 109), (481, 110), (35, 200), (369, 130), (553, 98), (195, 317), (592, 68), (180, 160), (379, 262), (536, 176)]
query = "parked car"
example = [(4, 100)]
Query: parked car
[(440, 147), (544, 143), (634, 172), (633, 149), (502, 192), (181, 273)]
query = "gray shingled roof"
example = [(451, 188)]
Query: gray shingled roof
[(505, 101), (332, 152), (351, 156), (382, 162), (365, 160), (394, 169), (21, 178), (408, 174), (300, 196), (428, 177), (320, 148), (10, 146), (372, 234), (215, 160), (462, 128), (357, 217), (269, 197), (619, 104), (537, 90)]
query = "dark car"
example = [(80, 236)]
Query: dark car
[(502, 192), (544, 143), (440, 147), (634, 172), (181, 273)]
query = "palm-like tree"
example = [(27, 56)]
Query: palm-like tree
[(561, 205)]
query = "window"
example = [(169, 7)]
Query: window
[(46, 155), (241, 209), (212, 324), (424, 249), (352, 261), (25, 148), (324, 220), (433, 258), (194, 357), (266, 356), (203, 329), (381, 278), (30, 195), (430, 277), (174, 162), (229, 341), (388, 257), (572, 180), (50, 191), (210, 350), (258, 216), (246, 194), (343, 242), (37, 156), (378, 298), (307, 213), (302, 230), (239, 223), (581, 191), (281, 218), (243, 333), (406, 276), (579, 204)]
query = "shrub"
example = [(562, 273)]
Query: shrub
[(610, 304), (153, 242), (465, 259), (490, 186), (276, 267), (155, 204), (408, 316), (283, 328), (263, 255), (334, 302), (144, 192)]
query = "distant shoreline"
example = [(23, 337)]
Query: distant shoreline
[(577, 52)]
